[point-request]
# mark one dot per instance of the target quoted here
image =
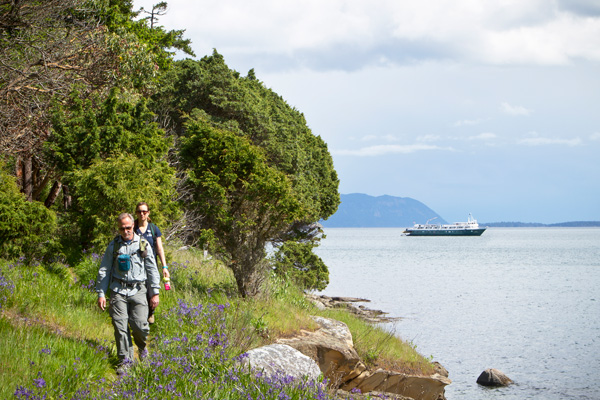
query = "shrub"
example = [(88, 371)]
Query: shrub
[(110, 187), (26, 228), (297, 261)]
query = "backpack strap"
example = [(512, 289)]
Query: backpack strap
[(152, 230), (116, 248)]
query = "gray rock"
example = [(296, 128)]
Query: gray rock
[(493, 377), (332, 348), (282, 359)]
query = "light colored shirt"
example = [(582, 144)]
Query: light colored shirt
[(111, 277)]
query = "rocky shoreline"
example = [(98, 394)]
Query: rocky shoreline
[(373, 316)]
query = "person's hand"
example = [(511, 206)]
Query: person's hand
[(102, 302), (166, 273), (154, 301)]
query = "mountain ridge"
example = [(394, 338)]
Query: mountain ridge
[(359, 210)]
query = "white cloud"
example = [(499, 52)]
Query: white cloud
[(368, 138), (390, 138), (388, 149), (595, 136), (535, 140), (344, 34), (514, 110)]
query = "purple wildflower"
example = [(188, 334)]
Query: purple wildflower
[(40, 382)]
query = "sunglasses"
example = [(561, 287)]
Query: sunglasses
[(142, 211), (126, 228)]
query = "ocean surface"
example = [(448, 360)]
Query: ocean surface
[(523, 300)]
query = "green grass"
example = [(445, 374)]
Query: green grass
[(55, 340), (381, 348)]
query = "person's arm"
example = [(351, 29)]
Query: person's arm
[(104, 275), (153, 276), (161, 256)]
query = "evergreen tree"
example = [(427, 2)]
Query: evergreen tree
[(244, 201), (26, 228)]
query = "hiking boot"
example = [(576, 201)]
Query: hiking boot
[(151, 319), (123, 368)]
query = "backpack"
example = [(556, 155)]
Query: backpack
[(143, 245)]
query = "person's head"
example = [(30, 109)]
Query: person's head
[(125, 225), (142, 210)]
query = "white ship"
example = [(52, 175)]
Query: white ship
[(469, 228)]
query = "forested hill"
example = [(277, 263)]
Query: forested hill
[(363, 211)]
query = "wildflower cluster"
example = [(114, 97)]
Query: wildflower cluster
[(198, 362), (6, 288)]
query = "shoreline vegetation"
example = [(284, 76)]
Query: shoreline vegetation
[(55, 342)]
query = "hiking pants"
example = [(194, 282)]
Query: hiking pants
[(130, 312)]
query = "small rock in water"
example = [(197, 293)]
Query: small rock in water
[(493, 377)]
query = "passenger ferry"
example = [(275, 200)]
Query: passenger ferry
[(469, 228)]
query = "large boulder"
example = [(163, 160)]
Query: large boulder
[(416, 387), (493, 377), (332, 348), (355, 395), (280, 359)]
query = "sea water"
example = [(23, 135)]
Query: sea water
[(525, 301)]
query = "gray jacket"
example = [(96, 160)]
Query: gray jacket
[(110, 276)]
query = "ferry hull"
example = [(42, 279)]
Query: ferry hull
[(444, 232)]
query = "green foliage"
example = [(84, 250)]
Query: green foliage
[(26, 228), (154, 41), (108, 188), (83, 133), (242, 199), (112, 157), (297, 261), (243, 105)]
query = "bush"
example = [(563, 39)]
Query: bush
[(297, 261), (113, 186), (26, 228)]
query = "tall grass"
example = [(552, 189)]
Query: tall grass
[(55, 342)]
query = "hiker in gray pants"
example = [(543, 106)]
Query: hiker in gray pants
[(127, 263)]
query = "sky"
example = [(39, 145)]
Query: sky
[(468, 106)]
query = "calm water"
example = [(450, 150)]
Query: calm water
[(523, 300)]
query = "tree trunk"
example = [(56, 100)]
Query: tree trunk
[(66, 197), (27, 178), (53, 194), (40, 186), (19, 171)]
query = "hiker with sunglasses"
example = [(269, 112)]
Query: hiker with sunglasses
[(149, 231), (128, 264)]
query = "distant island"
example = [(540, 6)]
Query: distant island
[(572, 224), (359, 210)]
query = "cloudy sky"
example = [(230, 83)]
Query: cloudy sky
[(489, 107)]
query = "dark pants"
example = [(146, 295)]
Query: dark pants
[(148, 297)]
